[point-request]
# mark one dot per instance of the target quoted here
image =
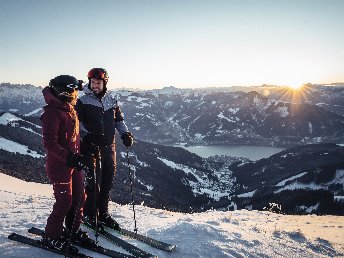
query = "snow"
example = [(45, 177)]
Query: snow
[(233, 110), (283, 111), (199, 136), (238, 233), (282, 183), (338, 178), (10, 119), (296, 185), (168, 91), (201, 186), (143, 105), (123, 93), (310, 127), (339, 198), (15, 147), (7, 118), (168, 104), (34, 112), (221, 115), (248, 194)]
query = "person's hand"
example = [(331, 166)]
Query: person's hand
[(75, 160), (128, 139)]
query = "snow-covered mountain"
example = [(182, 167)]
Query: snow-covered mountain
[(209, 117), (263, 115), (25, 99), (208, 234), (302, 179), (175, 179)]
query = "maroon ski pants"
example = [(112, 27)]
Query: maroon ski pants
[(68, 207)]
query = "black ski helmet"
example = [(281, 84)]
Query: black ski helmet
[(98, 73), (64, 87)]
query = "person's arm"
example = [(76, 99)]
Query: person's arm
[(51, 121), (119, 121), (122, 128)]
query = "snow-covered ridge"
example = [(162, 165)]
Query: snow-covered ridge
[(8, 118), (237, 115), (15, 147), (339, 178)]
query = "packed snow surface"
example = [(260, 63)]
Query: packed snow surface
[(238, 233)]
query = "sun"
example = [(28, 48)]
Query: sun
[(296, 95), (296, 86)]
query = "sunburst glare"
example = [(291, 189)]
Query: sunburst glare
[(296, 86), (295, 95)]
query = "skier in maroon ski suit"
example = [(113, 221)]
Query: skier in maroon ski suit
[(61, 140)]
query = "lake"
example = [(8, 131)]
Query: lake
[(245, 151)]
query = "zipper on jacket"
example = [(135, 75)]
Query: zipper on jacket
[(102, 120)]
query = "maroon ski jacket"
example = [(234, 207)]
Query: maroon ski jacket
[(60, 127)]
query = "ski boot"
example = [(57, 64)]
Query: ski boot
[(60, 244), (80, 237), (107, 221), (91, 221)]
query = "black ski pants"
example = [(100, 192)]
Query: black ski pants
[(105, 180)]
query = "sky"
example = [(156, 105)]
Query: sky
[(149, 44), (239, 233)]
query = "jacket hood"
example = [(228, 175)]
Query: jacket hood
[(52, 100)]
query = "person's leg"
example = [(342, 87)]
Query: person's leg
[(89, 206), (107, 175), (90, 203), (63, 203), (74, 216)]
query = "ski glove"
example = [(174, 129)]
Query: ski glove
[(79, 162), (128, 139)]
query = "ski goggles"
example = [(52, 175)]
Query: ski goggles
[(63, 89), (73, 87), (98, 73)]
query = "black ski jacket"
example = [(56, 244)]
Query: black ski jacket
[(98, 116)]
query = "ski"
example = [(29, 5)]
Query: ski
[(120, 242), (148, 240), (98, 248), (37, 243)]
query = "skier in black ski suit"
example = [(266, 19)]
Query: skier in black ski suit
[(99, 116)]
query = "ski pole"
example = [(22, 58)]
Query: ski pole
[(96, 190), (131, 191)]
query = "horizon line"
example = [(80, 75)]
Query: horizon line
[(194, 88)]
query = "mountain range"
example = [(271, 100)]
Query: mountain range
[(308, 177), (264, 115)]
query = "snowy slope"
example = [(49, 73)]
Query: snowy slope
[(210, 234)]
